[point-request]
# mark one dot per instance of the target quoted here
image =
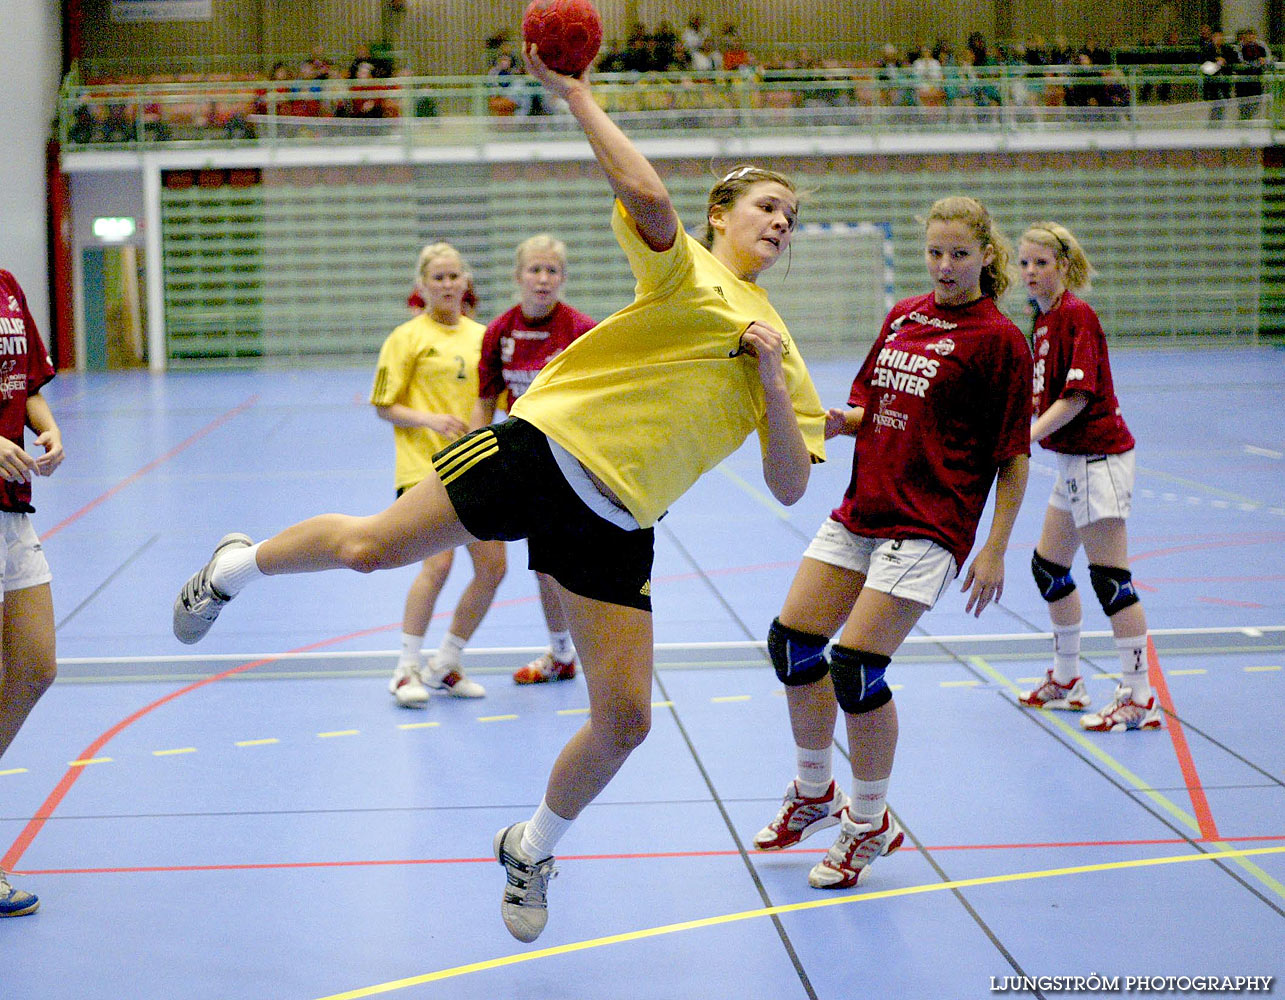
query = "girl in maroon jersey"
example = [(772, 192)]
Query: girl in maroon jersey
[(939, 410), (29, 663), (516, 346), (1078, 420)]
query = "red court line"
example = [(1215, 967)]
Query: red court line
[(46, 810), (1199, 804), (155, 463), (656, 856)]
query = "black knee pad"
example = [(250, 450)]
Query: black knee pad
[(1114, 588), (859, 685), (798, 657), (1054, 581)]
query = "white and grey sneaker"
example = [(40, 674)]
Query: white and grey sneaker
[(407, 686), (525, 907), (198, 603), (450, 680)]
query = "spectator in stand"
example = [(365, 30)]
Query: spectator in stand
[(735, 55), (362, 103), (1254, 62), (695, 37), (1098, 55), (1218, 61), (929, 78), (315, 68), (986, 93)]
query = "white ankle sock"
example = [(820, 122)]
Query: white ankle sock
[(543, 831), (561, 647), (1066, 653), (412, 644), (448, 653), (1133, 666), (868, 800), (236, 567), (814, 770)]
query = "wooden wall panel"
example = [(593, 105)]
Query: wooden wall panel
[(447, 37)]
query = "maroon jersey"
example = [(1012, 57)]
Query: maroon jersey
[(24, 368), (1071, 356), (944, 392), (514, 348)]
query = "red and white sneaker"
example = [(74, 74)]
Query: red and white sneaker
[(800, 817), (1073, 697), (543, 669), (1122, 713), (847, 861)]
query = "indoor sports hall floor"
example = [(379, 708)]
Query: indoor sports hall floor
[(255, 817)]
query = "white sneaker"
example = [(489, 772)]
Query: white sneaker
[(525, 906), (15, 902), (800, 817), (407, 686), (450, 680), (1123, 714), (198, 603), (849, 858)]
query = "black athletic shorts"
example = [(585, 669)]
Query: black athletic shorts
[(505, 484)]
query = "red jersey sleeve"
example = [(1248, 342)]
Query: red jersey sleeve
[(1016, 370), (490, 369), (1083, 372)]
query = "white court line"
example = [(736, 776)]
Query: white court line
[(1252, 631), (1264, 452)]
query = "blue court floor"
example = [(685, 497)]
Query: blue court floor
[(255, 817)]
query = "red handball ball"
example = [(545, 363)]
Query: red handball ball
[(567, 33)]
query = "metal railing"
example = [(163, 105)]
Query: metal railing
[(414, 111)]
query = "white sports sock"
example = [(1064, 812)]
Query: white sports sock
[(542, 833), (814, 771), (1066, 653), (868, 800), (235, 568), (561, 647), (448, 653), (412, 644), (1133, 666)]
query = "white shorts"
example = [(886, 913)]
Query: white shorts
[(1093, 487), (24, 561), (912, 568)]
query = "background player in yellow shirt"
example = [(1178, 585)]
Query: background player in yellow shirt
[(426, 386), (612, 431)]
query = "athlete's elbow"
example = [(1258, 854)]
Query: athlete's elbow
[(789, 490)]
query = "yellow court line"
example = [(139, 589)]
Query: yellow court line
[(573, 711), (1184, 673), (170, 753), (662, 704), (1091, 747), (730, 697), (418, 725), (495, 718), (89, 760), (1255, 670), (339, 732), (960, 684), (765, 499), (14, 770), (729, 918), (257, 743)]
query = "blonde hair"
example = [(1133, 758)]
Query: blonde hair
[(431, 252), (727, 192), (542, 243), (1065, 247), (995, 277)]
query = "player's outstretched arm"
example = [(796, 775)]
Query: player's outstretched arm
[(633, 179)]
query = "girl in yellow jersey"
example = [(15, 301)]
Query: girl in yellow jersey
[(610, 433), (426, 386)]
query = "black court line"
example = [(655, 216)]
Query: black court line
[(107, 582), (799, 970)]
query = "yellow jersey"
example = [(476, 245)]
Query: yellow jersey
[(655, 395), (433, 368)]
